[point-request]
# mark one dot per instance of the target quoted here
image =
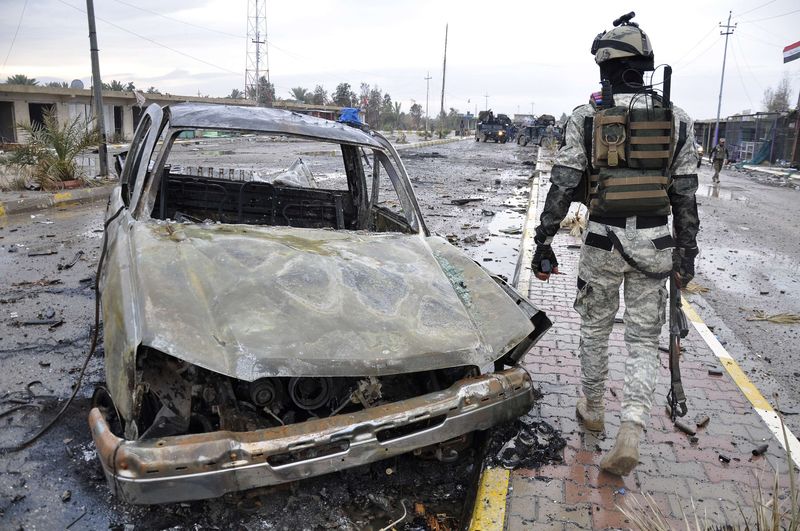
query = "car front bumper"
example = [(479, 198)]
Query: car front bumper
[(208, 465)]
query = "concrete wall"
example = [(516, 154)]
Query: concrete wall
[(71, 103)]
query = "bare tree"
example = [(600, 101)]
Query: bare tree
[(777, 99)]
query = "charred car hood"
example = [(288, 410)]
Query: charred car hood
[(251, 302)]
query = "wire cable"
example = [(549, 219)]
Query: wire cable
[(681, 58), (765, 4), (156, 13), (14, 38), (92, 348), (153, 41), (772, 17), (739, 71)]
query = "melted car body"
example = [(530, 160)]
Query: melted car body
[(261, 331)]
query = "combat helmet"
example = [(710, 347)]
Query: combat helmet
[(625, 41)]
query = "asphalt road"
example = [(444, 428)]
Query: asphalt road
[(750, 261), (58, 481)]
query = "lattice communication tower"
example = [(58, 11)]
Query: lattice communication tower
[(257, 64)]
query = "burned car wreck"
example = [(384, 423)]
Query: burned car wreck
[(261, 331)]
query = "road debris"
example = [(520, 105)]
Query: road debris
[(701, 421), (685, 427), (72, 262), (778, 318), (525, 443), (465, 200), (695, 288), (761, 449), (714, 372)]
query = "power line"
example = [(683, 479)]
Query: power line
[(14, 39), (765, 4), (153, 41), (180, 21), (770, 18), (739, 71), (698, 56), (681, 58)]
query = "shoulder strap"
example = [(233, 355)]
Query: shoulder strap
[(680, 142), (588, 133)]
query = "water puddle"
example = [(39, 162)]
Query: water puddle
[(499, 253), (717, 192)]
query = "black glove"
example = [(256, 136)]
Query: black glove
[(683, 263), (544, 261)]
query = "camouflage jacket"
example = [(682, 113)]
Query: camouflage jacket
[(572, 162)]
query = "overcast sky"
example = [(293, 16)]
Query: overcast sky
[(517, 52)]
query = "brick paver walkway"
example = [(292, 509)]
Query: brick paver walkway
[(674, 469)]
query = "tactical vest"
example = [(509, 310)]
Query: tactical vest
[(631, 153)]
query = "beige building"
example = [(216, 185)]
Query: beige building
[(27, 103)]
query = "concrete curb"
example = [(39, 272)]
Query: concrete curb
[(427, 143), (59, 199)]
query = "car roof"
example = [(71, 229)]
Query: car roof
[(266, 120)]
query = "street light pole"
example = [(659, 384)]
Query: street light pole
[(728, 31), (97, 90)]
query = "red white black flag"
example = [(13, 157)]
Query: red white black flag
[(791, 52)]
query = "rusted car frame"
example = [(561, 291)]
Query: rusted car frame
[(257, 334)]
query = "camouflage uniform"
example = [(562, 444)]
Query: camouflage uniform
[(601, 271), (719, 155)]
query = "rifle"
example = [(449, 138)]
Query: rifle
[(678, 329), (678, 325)]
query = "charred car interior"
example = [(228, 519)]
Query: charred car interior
[(266, 329)]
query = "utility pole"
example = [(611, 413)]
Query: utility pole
[(531, 109), (728, 31), (427, 100), (444, 71), (97, 89), (486, 99)]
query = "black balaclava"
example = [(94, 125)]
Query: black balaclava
[(626, 76)]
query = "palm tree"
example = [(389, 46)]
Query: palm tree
[(114, 85), (21, 79), (58, 84), (53, 146), (300, 94)]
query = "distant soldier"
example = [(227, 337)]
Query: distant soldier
[(634, 155), (719, 156)]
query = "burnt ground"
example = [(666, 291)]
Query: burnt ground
[(46, 312)]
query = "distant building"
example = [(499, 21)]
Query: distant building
[(27, 103), (746, 134)]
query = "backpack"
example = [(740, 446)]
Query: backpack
[(631, 151)]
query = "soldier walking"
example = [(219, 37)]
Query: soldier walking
[(633, 155), (719, 157)]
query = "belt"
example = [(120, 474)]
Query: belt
[(642, 222)]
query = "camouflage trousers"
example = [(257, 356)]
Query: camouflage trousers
[(601, 271)]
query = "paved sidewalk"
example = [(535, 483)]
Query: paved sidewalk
[(674, 469)]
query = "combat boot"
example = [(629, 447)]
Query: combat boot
[(592, 414), (624, 457)]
